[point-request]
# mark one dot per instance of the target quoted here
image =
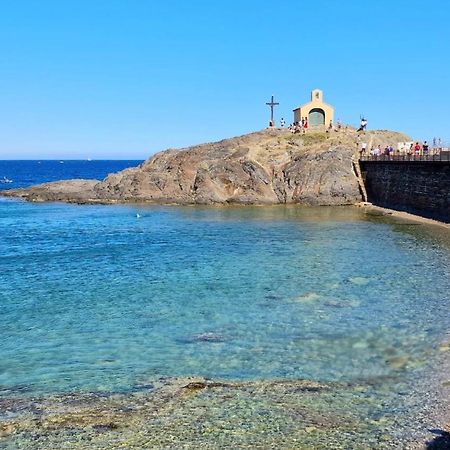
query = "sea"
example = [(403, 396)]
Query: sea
[(117, 306)]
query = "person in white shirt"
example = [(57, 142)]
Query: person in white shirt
[(362, 150), (363, 124)]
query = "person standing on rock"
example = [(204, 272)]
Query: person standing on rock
[(363, 148), (363, 124)]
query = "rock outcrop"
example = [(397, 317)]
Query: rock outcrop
[(266, 167), (71, 191)]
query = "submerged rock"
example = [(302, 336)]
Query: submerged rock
[(340, 303), (360, 281), (204, 337), (398, 362), (444, 347), (360, 345), (308, 297)]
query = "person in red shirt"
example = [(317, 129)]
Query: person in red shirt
[(417, 148)]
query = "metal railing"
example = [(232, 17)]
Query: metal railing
[(439, 156)]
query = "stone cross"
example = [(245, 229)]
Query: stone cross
[(272, 104)]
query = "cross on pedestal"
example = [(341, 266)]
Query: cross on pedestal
[(272, 103)]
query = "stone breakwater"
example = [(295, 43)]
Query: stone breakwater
[(417, 187), (265, 167)]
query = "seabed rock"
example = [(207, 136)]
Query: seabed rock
[(197, 413)]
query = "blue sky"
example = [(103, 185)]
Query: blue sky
[(124, 79)]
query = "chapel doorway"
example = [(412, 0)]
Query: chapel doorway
[(316, 117)]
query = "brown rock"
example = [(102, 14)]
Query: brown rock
[(73, 191), (266, 167)]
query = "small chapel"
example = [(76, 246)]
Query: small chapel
[(316, 111)]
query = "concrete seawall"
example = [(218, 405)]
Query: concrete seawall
[(417, 187)]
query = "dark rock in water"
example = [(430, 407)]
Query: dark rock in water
[(198, 385), (209, 337), (142, 387), (194, 386), (17, 388), (399, 362), (105, 427), (339, 303), (203, 337), (272, 297)]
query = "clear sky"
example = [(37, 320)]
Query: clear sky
[(126, 78)]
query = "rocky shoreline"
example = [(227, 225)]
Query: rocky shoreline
[(197, 413), (266, 167)]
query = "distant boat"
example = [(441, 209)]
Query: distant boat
[(61, 162), (5, 180), (89, 159)]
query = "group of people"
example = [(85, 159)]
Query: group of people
[(337, 127), (377, 150), (303, 125), (415, 149), (298, 127), (418, 149)]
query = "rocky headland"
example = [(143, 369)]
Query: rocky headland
[(271, 166)]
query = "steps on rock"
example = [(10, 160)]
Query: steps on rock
[(357, 170)]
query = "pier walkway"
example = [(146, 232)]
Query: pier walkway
[(418, 184), (443, 156)]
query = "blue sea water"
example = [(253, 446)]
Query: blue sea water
[(95, 298), (17, 174)]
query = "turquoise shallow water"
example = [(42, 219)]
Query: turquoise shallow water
[(95, 298)]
